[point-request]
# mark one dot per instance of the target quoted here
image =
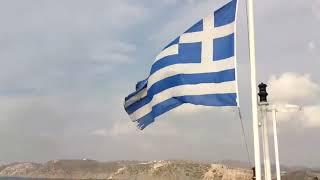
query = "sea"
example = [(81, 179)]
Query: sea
[(13, 178), (21, 178)]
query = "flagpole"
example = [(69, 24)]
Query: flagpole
[(267, 165), (275, 138), (251, 35)]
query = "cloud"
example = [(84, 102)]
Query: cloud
[(49, 115), (100, 132), (311, 116), (113, 53), (179, 2), (308, 118), (127, 128), (63, 63), (118, 129), (170, 2), (124, 13), (179, 22), (75, 16), (316, 8), (54, 47), (311, 46), (293, 87), (301, 90)]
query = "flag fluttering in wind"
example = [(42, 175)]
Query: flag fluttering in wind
[(198, 67)]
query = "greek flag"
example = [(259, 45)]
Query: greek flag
[(198, 67)]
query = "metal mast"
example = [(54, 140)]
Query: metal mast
[(252, 55)]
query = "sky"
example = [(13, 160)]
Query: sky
[(66, 66)]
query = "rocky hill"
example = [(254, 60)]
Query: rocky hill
[(131, 170), (155, 170), (302, 175)]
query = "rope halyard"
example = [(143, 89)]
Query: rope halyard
[(244, 136)]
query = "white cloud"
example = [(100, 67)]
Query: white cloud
[(100, 132), (50, 115), (163, 129), (293, 87), (311, 46), (180, 22), (64, 38), (316, 9), (59, 17), (174, 2), (128, 128), (300, 89), (113, 52), (170, 2), (124, 14), (59, 46), (311, 116), (122, 128)]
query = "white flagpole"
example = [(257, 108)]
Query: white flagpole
[(275, 138), (267, 165), (250, 17)]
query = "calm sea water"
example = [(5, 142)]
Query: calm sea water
[(12, 178), (16, 178), (20, 178)]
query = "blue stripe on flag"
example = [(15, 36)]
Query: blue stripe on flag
[(157, 110), (223, 47), (138, 90), (182, 79), (176, 41), (141, 84), (228, 99), (226, 14), (166, 61), (188, 53), (196, 28)]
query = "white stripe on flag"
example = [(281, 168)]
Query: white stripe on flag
[(192, 68), (215, 66), (185, 90), (216, 32), (171, 50), (137, 97)]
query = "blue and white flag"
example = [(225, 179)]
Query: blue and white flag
[(198, 67)]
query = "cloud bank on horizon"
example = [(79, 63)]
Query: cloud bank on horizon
[(301, 90), (66, 67)]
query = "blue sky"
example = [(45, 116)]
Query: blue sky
[(65, 67)]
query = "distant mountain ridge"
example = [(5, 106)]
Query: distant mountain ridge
[(127, 170)]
